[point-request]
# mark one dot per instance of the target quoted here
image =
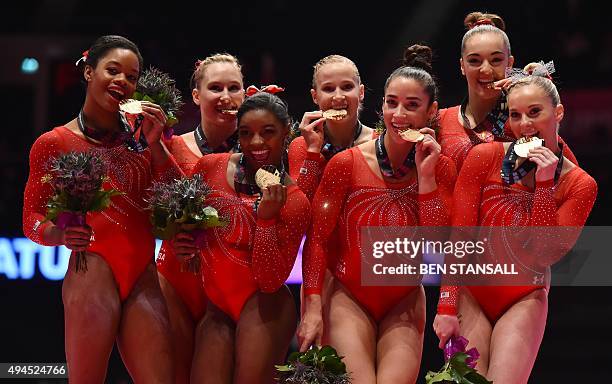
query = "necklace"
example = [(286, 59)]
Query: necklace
[(114, 138), (329, 150), (385, 164), (230, 144), (510, 175), (242, 184), (492, 127)]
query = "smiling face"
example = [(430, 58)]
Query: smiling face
[(406, 105), (532, 113), (338, 87), (219, 94), (484, 60), (262, 137), (113, 79)]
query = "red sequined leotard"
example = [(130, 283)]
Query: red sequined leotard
[(456, 142), (481, 199), (350, 196), (122, 233), (186, 284), (249, 254), (307, 167)]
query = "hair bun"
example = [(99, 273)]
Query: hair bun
[(419, 56), (475, 19)]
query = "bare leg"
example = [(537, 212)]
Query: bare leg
[(263, 333), (476, 327), (213, 359), (144, 332), (353, 333), (92, 310), (400, 341), (182, 327), (516, 339)]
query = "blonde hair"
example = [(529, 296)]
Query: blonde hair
[(477, 23), (330, 60), (543, 83), (201, 66)]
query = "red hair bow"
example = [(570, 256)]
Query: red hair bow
[(272, 88), (83, 57)]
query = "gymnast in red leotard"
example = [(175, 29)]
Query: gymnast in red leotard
[(245, 264), (384, 182), (506, 323), (482, 116), (218, 90), (118, 297), (336, 85)]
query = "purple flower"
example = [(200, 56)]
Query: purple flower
[(473, 355), (458, 345), (454, 345)]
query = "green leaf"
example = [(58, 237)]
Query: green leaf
[(457, 362), (171, 121), (334, 365), (102, 200), (294, 356), (284, 368), (477, 378), (436, 377), (165, 232), (327, 351)]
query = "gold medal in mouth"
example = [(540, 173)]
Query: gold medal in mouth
[(412, 135), (523, 145), (130, 106), (264, 178), (335, 114)]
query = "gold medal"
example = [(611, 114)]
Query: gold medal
[(523, 145), (130, 106), (265, 178), (335, 114), (412, 135)]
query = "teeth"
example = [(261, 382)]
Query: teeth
[(118, 93), (402, 126), (229, 111)]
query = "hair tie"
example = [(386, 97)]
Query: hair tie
[(83, 58), (197, 64), (482, 22), (272, 88)]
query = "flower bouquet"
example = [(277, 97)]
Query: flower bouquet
[(315, 366), (180, 206), (76, 178), (159, 88), (460, 365)]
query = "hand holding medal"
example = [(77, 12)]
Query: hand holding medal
[(274, 193)]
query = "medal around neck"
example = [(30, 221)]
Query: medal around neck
[(131, 111), (335, 114), (525, 144)]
